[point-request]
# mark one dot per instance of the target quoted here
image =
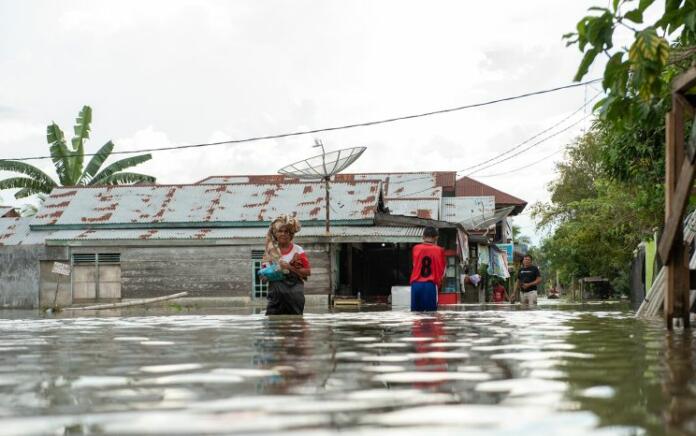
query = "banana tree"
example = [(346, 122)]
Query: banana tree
[(69, 163)]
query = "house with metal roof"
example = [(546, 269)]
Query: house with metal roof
[(126, 242)]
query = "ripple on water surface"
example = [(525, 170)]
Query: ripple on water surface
[(555, 371)]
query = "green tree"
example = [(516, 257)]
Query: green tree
[(597, 221), (636, 77), (68, 162)]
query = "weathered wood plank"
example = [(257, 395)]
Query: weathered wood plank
[(678, 202), (684, 81)]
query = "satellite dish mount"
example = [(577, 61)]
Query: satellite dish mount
[(322, 167)]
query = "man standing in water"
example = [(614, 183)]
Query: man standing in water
[(528, 278), (428, 272)]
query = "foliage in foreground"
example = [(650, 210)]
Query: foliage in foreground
[(609, 194)]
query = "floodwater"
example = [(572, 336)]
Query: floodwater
[(559, 369)]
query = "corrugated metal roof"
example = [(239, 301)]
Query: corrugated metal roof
[(468, 187), (229, 233), (15, 231), (256, 179), (427, 208), (469, 211), (403, 185), (8, 212), (138, 206)]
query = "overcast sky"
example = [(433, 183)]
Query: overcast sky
[(162, 73)]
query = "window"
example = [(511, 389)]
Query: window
[(259, 289), (96, 276)]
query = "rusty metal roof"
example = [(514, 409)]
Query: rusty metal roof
[(426, 208), (198, 205), (8, 212), (469, 211), (15, 231), (468, 187), (400, 185), (251, 234)]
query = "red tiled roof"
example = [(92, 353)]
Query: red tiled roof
[(468, 187)]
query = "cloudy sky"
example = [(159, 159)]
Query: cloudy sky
[(162, 73)]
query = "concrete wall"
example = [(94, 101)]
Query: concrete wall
[(19, 276), (204, 271)]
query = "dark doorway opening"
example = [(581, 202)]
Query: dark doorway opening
[(371, 269)]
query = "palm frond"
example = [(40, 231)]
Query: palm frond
[(96, 162), (126, 178), (59, 153), (26, 169), (81, 129), (119, 166), (27, 186)]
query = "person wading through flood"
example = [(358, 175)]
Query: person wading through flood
[(428, 272), (528, 278), (286, 295)]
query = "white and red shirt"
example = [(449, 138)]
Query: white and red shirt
[(291, 252)]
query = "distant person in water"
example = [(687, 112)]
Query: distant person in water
[(286, 291), (428, 272), (528, 277), (499, 293)]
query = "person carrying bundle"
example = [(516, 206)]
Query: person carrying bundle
[(285, 267)]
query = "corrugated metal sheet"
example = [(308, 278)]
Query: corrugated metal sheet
[(182, 204), (257, 179), (15, 231), (421, 185), (468, 187), (469, 211), (229, 233), (7, 211), (427, 208)]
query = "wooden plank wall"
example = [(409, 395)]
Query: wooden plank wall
[(203, 271)]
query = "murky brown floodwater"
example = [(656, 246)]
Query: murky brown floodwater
[(556, 370)]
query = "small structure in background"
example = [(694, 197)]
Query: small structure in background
[(593, 288)]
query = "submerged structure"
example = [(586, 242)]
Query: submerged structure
[(126, 242)]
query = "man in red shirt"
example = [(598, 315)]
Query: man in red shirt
[(428, 272)]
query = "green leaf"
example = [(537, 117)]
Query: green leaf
[(28, 186), (615, 5), (690, 21), (60, 155), (96, 162), (587, 60), (119, 166), (26, 169), (125, 178), (616, 74), (82, 129), (635, 15), (644, 4)]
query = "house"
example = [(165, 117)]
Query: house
[(126, 242)]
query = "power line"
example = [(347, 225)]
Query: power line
[(405, 196), (526, 141), (532, 146), (342, 127), (525, 166)]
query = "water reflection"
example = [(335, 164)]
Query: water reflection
[(556, 370)]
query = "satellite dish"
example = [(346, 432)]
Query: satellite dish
[(322, 167)]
